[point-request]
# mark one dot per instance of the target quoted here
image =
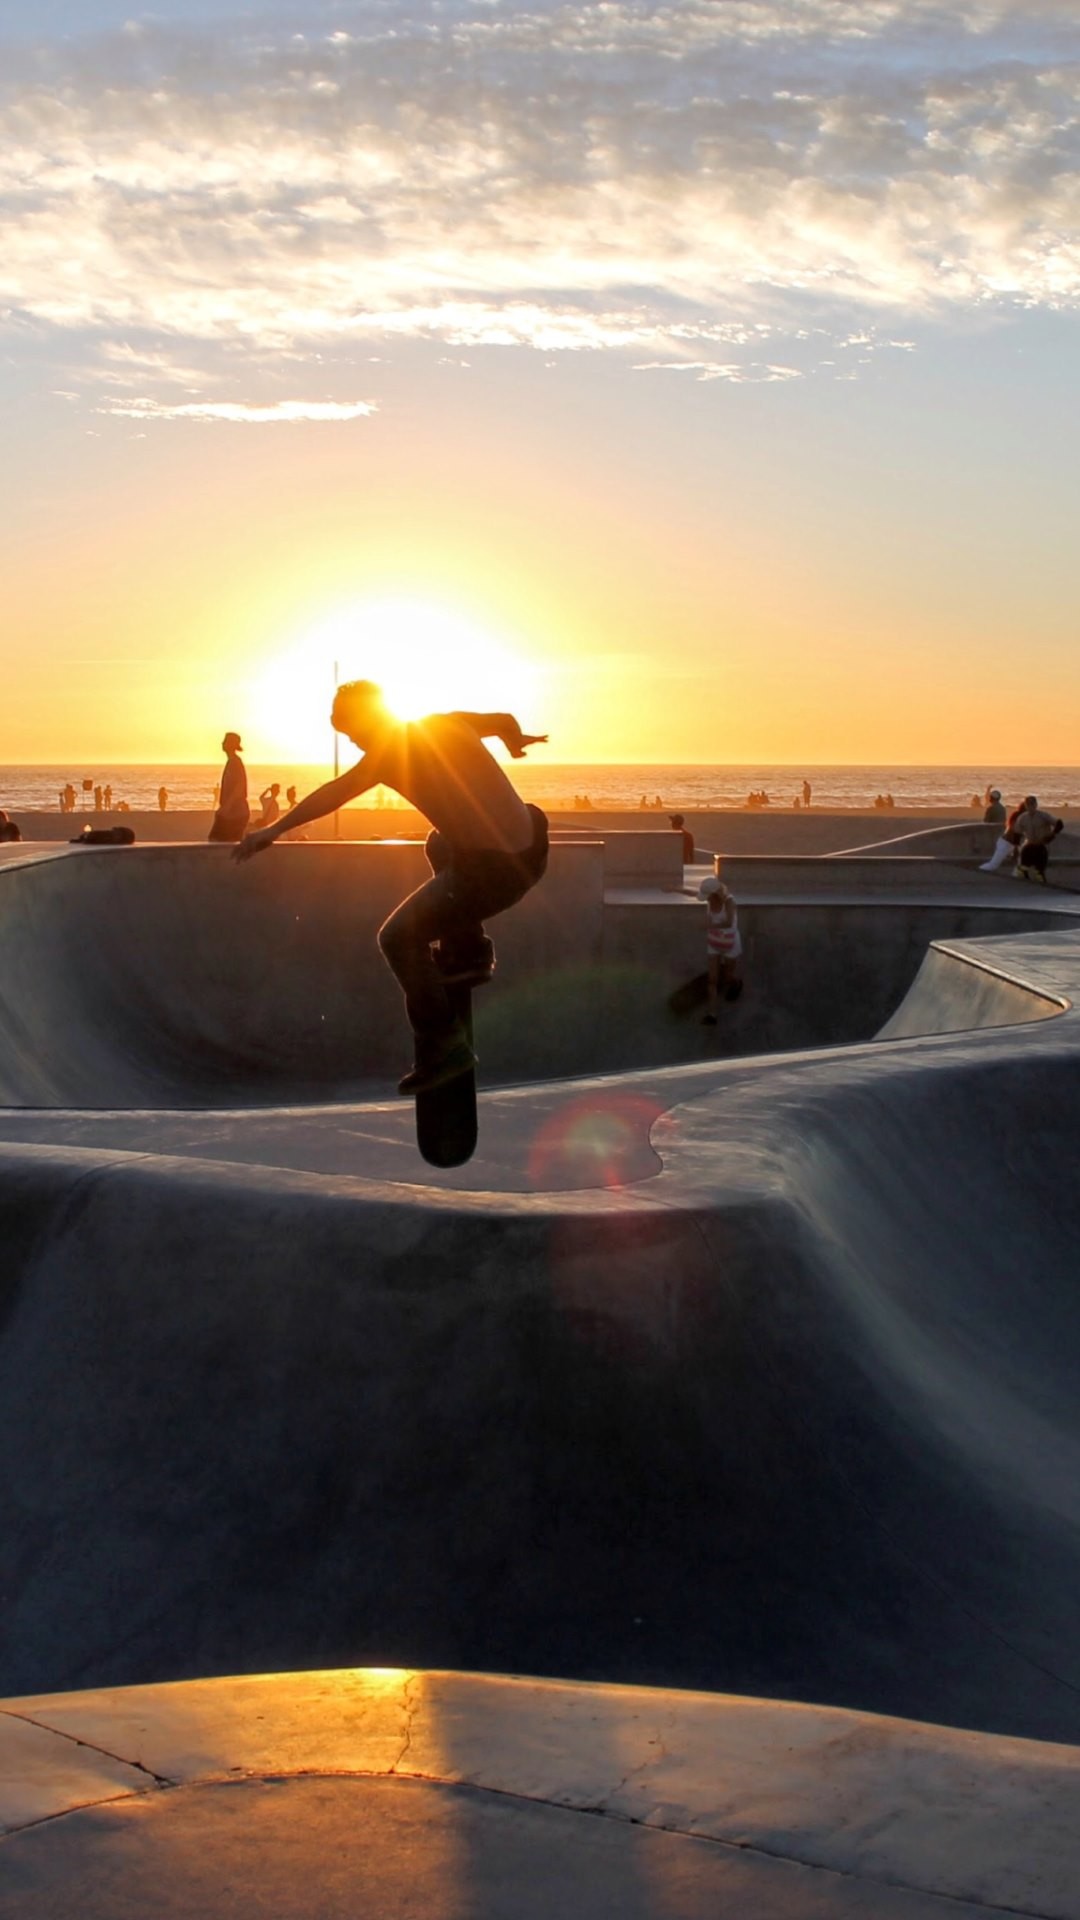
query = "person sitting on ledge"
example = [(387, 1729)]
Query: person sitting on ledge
[(486, 850), (9, 829)]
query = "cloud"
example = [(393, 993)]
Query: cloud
[(274, 414), (613, 176)]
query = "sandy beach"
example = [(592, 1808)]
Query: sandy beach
[(735, 830)]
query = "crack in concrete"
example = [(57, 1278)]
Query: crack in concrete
[(27, 1719), (409, 1708), (973, 1904)]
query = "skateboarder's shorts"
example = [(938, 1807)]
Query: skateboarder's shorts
[(1033, 855), (486, 882)]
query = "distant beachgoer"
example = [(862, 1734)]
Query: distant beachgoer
[(678, 821), (107, 796), (217, 794), (723, 944), (69, 798), (230, 822), (643, 802), (271, 807), (97, 799), (162, 798), (8, 828), (889, 801), (290, 796), (974, 803), (807, 790), (1035, 829), (995, 808)]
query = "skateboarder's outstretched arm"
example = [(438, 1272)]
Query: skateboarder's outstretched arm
[(314, 806), (502, 726)]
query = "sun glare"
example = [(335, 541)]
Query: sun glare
[(426, 658)]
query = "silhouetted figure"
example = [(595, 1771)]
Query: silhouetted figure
[(678, 821), (230, 822), (8, 829), (69, 798), (270, 804), (994, 815), (162, 798), (107, 797), (290, 796), (807, 790), (488, 848), (97, 799)]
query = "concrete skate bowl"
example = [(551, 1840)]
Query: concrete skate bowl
[(169, 977), (794, 1417)]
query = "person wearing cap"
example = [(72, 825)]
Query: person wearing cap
[(678, 822), (230, 822), (723, 942), (994, 815)]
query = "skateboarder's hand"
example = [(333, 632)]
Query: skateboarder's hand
[(253, 843), (527, 740)]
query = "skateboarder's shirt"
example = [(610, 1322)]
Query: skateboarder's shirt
[(443, 768)]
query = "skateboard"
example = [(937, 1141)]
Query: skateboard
[(446, 1122), (696, 992)]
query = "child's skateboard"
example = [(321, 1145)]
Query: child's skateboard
[(446, 1122), (696, 991)]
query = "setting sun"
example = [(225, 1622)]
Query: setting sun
[(426, 657)]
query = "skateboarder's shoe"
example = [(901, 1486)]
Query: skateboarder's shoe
[(708, 1020), (469, 965), (437, 1062)]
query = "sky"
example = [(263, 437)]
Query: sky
[(697, 380)]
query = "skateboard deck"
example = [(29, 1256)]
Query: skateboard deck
[(696, 991), (446, 1119)]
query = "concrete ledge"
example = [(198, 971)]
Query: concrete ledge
[(894, 1805)]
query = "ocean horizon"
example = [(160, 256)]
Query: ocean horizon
[(692, 786)]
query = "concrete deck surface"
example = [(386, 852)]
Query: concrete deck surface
[(465, 1797), (751, 1375)]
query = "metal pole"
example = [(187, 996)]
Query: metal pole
[(337, 823)]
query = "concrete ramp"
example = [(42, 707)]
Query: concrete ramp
[(963, 985), (794, 1417)]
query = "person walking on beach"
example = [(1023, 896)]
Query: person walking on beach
[(230, 822), (486, 850), (162, 798), (807, 790)]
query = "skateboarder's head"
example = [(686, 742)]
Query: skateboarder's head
[(359, 711), (232, 744)]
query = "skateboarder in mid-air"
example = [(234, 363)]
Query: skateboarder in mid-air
[(486, 851)]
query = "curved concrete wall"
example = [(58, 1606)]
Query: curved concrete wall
[(168, 976)]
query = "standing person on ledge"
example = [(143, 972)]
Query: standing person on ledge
[(230, 822), (486, 850)]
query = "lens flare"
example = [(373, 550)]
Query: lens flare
[(600, 1140)]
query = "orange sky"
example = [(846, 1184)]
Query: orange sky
[(592, 420)]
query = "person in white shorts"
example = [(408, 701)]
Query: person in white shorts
[(723, 942)]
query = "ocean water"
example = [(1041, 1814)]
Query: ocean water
[(692, 787)]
